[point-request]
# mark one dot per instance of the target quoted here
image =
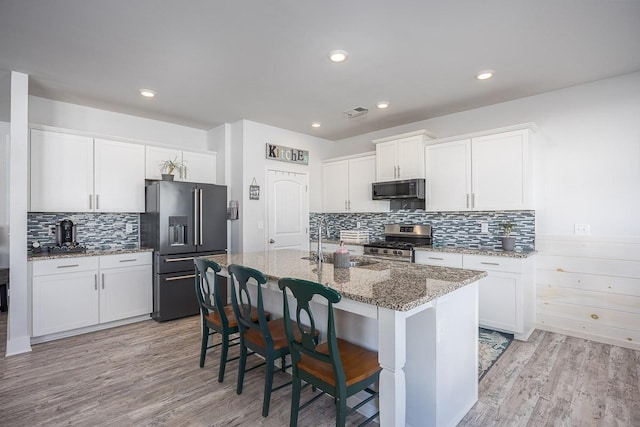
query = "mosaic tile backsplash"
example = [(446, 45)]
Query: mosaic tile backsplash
[(94, 230), (461, 229)]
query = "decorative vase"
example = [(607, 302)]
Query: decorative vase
[(167, 177), (508, 243)]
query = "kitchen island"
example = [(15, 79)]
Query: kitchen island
[(424, 323)]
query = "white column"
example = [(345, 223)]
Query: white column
[(392, 355), (18, 338)]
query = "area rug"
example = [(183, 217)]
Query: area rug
[(491, 346)]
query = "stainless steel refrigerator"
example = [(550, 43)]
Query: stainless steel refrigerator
[(182, 221)]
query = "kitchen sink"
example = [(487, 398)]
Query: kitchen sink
[(357, 263)]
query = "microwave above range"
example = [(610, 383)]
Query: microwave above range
[(405, 189)]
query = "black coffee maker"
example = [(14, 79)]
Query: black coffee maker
[(66, 233)]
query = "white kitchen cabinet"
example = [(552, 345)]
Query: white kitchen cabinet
[(61, 172), (201, 166), (119, 176), (346, 185), (487, 172), (125, 286), (72, 295), (401, 156), (71, 173), (64, 294), (442, 259), (507, 295), (448, 176)]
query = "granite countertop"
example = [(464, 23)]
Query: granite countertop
[(395, 285), (479, 251), (93, 252)]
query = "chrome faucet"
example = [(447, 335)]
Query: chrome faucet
[(321, 222)]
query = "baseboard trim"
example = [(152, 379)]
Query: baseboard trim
[(80, 331), (18, 346), (597, 338)]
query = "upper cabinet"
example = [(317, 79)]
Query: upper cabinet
[(200, 167), (346, 185), (401, 156), (488, 172), (71, 173)]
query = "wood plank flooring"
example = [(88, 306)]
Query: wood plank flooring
[(147, 374)]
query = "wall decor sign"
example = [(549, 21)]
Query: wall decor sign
[(287, 154), (254, 190)]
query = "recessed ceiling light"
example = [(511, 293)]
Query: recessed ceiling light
[(484, 75), (338, 55), (315, 125), (147, 93), (382, 105)]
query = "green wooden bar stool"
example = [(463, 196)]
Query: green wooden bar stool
[(336, 367), (265, 337), (217, 316)]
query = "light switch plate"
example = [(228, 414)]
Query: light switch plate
[(582, 229)]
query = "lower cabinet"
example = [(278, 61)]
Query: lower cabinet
[(78, 292), (506, 300)]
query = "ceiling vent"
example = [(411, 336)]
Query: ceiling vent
[(356, 112)]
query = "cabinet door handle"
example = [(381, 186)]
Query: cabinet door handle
[(398, 171), (129, 260), (467, 200), (345, 205), (95, 281), (438, 259), (97, 201), (68, 266), (489, 263), (171, 279), (473, 200), (102, 280), (90, 201), (179, 259), (349, 204)]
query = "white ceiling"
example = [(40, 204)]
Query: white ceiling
[(213, 62)]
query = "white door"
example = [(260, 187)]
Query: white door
[(288, 210)]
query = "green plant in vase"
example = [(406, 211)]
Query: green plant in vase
[(508, 242), (169, 167)]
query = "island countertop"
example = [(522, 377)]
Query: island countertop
[(395, 285)]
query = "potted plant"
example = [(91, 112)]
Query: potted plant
[(169, 167), (508, 242)]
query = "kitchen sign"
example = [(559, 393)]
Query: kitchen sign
[(287, 154)]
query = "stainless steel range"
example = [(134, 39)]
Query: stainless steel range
[(399, 241)]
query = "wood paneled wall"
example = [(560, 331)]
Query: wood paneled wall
[(589, 288)]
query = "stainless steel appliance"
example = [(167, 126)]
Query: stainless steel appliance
[(66, 233), (405, 189), (182, 221), (399, 241)]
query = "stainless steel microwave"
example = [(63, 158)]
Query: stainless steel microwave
[(405, 189)]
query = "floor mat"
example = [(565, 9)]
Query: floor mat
[(491, 346)]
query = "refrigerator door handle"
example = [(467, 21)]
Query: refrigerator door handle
[(195, 216), (200, 223)]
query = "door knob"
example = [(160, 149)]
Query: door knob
[(272, 241)]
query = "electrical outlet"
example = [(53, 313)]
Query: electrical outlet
[(582, 229), (357, 224), (129, 228), (52, 230), (484, 227)]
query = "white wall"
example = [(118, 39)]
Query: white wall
[(4, 194), (18, 340), (587, 160), (48, 112), (249, 141)]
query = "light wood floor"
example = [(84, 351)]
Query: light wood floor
[(147, 374)]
